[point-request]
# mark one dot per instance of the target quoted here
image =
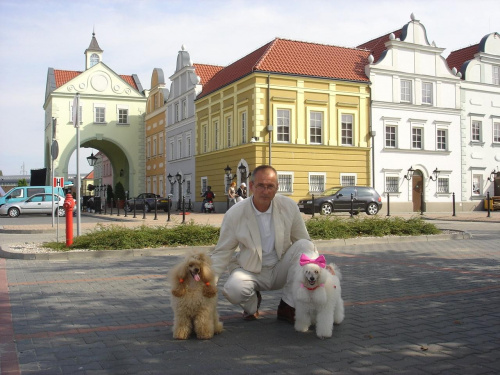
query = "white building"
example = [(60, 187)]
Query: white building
[(415, 121), (479, 66), (180, 135)]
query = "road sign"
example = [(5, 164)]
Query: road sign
[(58, 182)]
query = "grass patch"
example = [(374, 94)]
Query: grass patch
[(116, 237), (333, 227)]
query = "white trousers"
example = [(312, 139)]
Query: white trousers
[(241, 285)]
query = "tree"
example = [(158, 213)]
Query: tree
[(22, 182), (119, 191), (109, 194)]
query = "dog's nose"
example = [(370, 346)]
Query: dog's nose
[(197, 270)]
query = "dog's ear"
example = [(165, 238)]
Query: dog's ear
[(178, 278)]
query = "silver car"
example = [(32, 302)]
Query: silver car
[(36, 204)]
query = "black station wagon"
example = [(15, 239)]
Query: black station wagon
[(338, 199)]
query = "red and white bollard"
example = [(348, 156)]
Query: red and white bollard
[(69, 205)]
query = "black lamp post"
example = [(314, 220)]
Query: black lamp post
[(492, 175), (409, 173), (92, 159), (180, 181), (227, 172), (435, 173)]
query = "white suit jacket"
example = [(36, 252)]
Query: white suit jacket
[(240, 229)]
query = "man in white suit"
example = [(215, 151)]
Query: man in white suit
[(270, 233)]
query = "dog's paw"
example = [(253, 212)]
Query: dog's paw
[(301, 327), (209, 291), (179, 292), (323, 333)]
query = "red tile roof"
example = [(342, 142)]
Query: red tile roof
[(377, 45), (296, 58), (206, 72), (64, 76), (457, 58)]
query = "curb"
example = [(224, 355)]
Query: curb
[(176, 251)]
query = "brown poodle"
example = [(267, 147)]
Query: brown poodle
[(194, 297)]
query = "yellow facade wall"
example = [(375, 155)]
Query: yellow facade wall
[(260, 96)]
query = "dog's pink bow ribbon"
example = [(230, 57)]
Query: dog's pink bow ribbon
[(320, 261)]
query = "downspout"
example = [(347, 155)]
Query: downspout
[(269, 126), (372, 134)]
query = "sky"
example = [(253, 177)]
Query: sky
[(140, 35)]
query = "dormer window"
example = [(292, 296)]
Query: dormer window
[(94, 59)]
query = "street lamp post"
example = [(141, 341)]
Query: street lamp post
[(180, 181)]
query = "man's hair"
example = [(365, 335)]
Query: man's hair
[(262, 168)]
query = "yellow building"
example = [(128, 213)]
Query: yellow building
[(301, 107), (155, 134)]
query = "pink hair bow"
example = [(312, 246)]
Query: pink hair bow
[(320, 261)]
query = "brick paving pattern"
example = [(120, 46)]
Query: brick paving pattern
[(411, 308)]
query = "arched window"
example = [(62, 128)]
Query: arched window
[(94, 59)]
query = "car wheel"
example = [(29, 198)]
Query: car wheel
[(326, 209), (60, 212), (147, 208), (372, 209), (128, 208), (14, 212)]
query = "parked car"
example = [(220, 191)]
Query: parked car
[(338, 199), (20, 193), (147, 200), (36, 204)]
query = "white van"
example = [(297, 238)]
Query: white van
[(21, 193)]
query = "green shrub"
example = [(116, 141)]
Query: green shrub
[(115, 237)]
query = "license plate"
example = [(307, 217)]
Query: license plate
[(163, 201)]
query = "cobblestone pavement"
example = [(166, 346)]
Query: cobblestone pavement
[(411, 308)]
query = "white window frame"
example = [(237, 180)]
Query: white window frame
[(155, 146), (177, 112), (386, 138), (496, 132), (314, 124), (98, 108), (285, 187), (344, 177), (283, 130), (179, 147), (204, 129), (244, 126), (203, 184), (406, 91), (160, 144), (427, 93), (344, 121), (439, 184), (317, 187), (171, 143), (394, 177), (477, 184), (229, 133), (216, 135), (188, 145), (421, 135), (439, 139), (495, 75), (148, 147), (184, 109), (476, 131), (80, 112)]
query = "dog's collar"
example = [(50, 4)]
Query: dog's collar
[(316, 287)]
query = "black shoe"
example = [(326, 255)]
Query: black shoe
[(286, 312), (250, 317)]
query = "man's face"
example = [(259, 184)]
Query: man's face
[(264, 188)]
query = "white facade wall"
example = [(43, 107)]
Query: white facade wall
[(180, 132), (395, 118), (480, 98)]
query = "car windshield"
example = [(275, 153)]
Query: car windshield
[(330, 191)]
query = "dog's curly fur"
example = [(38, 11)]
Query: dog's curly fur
[(318, 300), (194, 297)]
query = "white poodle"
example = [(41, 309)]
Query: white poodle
[(194, 297), (317, 295)]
